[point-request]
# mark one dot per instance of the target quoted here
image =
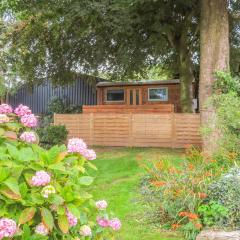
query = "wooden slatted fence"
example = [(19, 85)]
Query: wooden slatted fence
[(174, 130)]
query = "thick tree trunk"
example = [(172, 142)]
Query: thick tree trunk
[(214, 53), (186, 76)]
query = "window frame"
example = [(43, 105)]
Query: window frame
[(113, 101), (158, 100)]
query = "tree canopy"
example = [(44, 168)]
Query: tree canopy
[(54, 39)]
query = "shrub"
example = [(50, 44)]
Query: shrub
[(52, 135), (61, 105), (226, 191), (43, 193), (179, 191)]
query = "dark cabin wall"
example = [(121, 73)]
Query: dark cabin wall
[(81, 92)]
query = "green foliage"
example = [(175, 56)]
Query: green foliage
[(60, 105), (213, 214), (26, 203), (178, 192), (226, 101), (52, 135), (226, 192)]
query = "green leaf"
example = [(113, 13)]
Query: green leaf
[(4, 173), (13, 126), (12, 184), (26, 232), (13, 151), (86, 180), (73, 209), (92, 166), (7, 192), (47, 218), (27, 215), (57, 166), (27, 154), (63, 223)]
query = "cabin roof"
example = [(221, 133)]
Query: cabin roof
[(138, 83)]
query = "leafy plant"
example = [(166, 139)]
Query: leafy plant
[(213, 214), (226, 192), (52, 135), (43, 192), (178, 192)]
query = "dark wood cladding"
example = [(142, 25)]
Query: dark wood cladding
[(173, 95)]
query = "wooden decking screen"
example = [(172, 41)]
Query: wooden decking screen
[(151, 108), (133, 130)]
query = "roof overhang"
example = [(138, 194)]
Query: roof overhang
[(138, 83)]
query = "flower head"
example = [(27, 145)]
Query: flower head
[(41, 229), (102, 222), (5, 108), (48, 190), (8, 228), (115, 224), (85, 231), (29, 137), (90, 154), (41, 178), (72, 220), (76, 145), (29, 120), (22, 110), (4, 118), (101, 205)]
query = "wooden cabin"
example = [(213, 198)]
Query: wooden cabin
[(142, 93)]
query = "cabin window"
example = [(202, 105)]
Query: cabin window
[(115, 95), (158, 94)]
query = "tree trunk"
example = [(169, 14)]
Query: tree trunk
[(214, 53), (186, 76)]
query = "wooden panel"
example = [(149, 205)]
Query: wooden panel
[(131, 129), (161, 108)]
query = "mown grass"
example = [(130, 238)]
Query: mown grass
[(117, 180)]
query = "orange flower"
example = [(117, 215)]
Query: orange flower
[(198, 225), (192, 216), (190, 166), (175, 226), (158, 183), (202, 195), (183, 214)]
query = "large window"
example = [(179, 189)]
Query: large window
[(115, 95), (158, 94)]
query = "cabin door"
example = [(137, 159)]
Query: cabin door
[(134, 96)]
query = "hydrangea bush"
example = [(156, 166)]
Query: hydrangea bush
[(43, 192)]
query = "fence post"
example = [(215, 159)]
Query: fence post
[(131, 130), (174, 133), (91, 140)]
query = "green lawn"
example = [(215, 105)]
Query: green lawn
[(117, 181)]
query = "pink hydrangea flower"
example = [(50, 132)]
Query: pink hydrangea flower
[(29, 120), (102, 222), (4, 118), (101, 205), (8, 228), (72, 220), (41, 229), (115, 224), (85, 231), (29, 137), (41, 178), (76, 145), (89, 154), (22, 110), (5, 108)]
